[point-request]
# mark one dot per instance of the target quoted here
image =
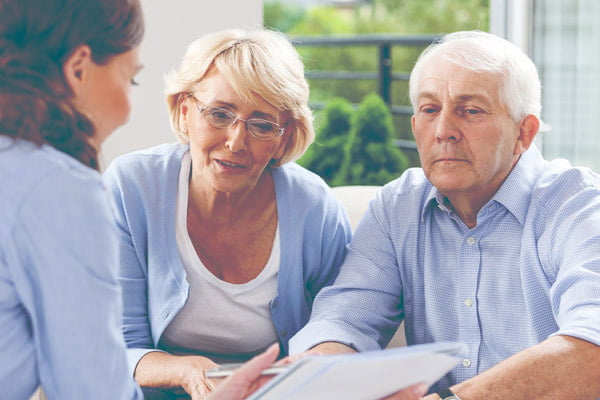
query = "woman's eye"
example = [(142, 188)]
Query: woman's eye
[(263, 126), (221, 115)]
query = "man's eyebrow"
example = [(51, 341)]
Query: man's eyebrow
[(470, 97), (459, 99), (427, 95)]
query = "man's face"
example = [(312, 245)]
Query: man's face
[(466, 139)]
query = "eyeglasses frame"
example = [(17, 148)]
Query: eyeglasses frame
[(203, 108)]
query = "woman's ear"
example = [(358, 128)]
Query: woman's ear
[(183, 114), (289, 127), (76, 68)]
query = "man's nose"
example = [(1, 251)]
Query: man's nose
[(447, 127)]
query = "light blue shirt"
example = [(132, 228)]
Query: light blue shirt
[(59, 297), (313, 226), (528, 270)]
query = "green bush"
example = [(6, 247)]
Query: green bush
[(371, 157), (326, 155)]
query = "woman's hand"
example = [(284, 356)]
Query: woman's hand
[(158, 369), (194, 380)]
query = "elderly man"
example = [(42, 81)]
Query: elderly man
[(487, 244)]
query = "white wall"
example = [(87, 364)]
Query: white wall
[(170, 26)]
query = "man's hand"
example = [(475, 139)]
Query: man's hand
[(410, 393)]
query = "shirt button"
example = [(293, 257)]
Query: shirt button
[(468, 302), (466, 362), (471, 240)]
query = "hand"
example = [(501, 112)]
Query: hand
[(322, 349), (194, 382), (247, 379), (410, 393)]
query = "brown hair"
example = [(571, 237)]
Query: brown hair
[(36, 38)]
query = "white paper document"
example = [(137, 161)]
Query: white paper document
[(362, 376)]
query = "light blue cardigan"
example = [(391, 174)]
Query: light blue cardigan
[(314, 230)]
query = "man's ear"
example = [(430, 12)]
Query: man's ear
[(528, 129), (76, 68)]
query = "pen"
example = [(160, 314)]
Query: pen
[(228, 369)]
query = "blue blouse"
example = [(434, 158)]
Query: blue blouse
[(59, 296)]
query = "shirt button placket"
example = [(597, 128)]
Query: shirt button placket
[(469, 323)]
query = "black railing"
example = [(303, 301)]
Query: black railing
[(384, 74)]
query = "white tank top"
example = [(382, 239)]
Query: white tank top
[(224, 321)]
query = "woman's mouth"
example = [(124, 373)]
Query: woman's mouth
[(229, 164)]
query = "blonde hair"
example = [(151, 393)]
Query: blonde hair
[(261, 62)]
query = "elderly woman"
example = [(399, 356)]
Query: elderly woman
[(224, 240)]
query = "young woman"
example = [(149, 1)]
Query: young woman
[(66, 69)]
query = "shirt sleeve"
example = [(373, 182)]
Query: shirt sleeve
[(362, 309), (66, 242), (575, 256)]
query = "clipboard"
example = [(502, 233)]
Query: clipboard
[(368, 375)]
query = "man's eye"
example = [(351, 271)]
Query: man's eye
[(472, 111), (429, 110)]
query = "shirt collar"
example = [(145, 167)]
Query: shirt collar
[(514, 194)]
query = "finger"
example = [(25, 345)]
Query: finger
[(255, 366), (296, 357)]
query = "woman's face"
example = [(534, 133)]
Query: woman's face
[(228, 159), (103, 92)]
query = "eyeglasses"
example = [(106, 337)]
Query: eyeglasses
[(221, 118)]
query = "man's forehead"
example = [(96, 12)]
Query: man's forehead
[(460, 83)]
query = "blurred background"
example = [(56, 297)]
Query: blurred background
[(358, 55)]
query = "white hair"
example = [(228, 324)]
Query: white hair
[(479, 51)]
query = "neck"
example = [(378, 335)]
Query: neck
[(229, 208), (466, 207), (467, 214)]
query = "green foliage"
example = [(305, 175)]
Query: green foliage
[(355, 147), (397, 17), (371, 157), (281, 17), (377, 16), (326, 155)]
